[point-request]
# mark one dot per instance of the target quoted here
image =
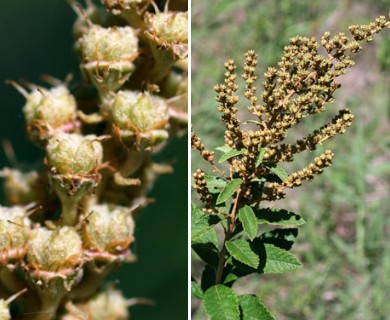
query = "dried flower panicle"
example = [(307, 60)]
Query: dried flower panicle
[(201, 188), (235, 197), (302, 84), (196, 143)]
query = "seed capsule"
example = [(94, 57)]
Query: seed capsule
[(54, 256), (74, 154), (14, 232), (141, 118), (108, 55), (75, 161), (47, 111), (108, 232), (169, 30)]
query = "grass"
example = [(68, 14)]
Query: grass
[(345, 245)]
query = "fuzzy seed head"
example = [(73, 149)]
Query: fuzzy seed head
[(73, 153), (108, 229), (14, 232), (55, 250), (56, 106), (109, 44), (140, 111), (170, 27), (108, 54)]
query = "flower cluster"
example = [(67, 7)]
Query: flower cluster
[(303, 84), (68, 226), (236, 195)]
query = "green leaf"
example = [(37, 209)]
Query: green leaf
[(230, 154), (249, 221), (252, 308), (202, 227), (280, 217), (214, 184), (279, 171), (241, 251), (260, 156), (196, 291), (224, 149), (221, 303), (229, 190), (279, 260)]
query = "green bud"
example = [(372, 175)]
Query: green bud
[(141, 118), (108, 54), (55, 106), (74, 154), (74, 161), (108, 232), (14, 232), (55, 255), (169, 30), (168, 36), (47, 111)]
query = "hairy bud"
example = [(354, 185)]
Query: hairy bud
[(14, 232), (108, 232), (53, 255), (141, 118), (108, 54)]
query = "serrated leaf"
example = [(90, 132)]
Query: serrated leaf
[(229, 190), (196, 290), (252, 308), (230, 154), (214, 184), (241, 251), (202, 227), (280, 217), (279, 260), (221, 303), (279, 171), (249, 221), (224, 149), (259, 158)]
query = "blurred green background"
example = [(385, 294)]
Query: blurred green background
[(345, 244), (36, 39)]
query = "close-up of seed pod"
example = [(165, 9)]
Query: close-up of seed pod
[(14, 234), (90, 164)]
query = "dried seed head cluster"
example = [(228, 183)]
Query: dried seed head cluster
[(69, 225), (302, 84), (201, 188), (235, 197)]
